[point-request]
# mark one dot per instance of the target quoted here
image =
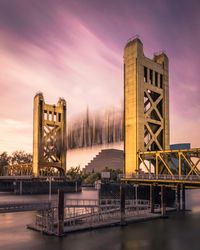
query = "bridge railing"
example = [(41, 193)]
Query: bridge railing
[(81, 202), (16, 177), (127, 202), (20, 202), (102, 202), (162, 177)]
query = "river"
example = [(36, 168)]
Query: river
[(178, 232)]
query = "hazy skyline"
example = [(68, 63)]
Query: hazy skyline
[(74, 49)]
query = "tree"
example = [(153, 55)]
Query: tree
[(74, 173), (20, 157), (91, 178), (4, 162)]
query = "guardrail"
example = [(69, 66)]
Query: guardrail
[(81, 202), (16, 177), (127, 202), (162, 177), (69, 203), (23, 206)]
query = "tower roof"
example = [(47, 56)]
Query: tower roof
[(132, 41)]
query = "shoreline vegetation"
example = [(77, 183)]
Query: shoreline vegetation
[(73, 173)]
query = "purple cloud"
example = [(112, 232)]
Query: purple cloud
[(74, 49)]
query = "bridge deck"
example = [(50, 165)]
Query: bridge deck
[(188, 181)]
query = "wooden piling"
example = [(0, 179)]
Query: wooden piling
[(122, 204), (152, 198), (60, 212), (163, 205)]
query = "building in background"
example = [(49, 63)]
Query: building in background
[(106, 159), (180, 146)]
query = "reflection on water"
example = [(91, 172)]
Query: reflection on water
[(178, 232), (193, 200)]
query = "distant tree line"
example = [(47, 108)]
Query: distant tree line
[(74, 173), (17, 157), (90, 178)]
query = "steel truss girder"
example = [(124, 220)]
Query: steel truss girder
[(151, 121), (49, 143), (171, 162)]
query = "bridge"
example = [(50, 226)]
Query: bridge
[(148, 158), (168, 167), (28, 177), (49, 141), (169, 180)]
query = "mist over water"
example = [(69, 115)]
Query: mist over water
[(179, 231)]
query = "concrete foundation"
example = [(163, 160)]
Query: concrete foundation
[(39, 186)]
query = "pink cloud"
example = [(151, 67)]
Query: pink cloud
[(75, 50)]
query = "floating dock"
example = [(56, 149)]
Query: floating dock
[(82, 215)]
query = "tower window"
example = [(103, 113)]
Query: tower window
[(45, 115), (54, 117), (161, 81), (151, 76), (145, 74), (156, 79), (59, 117), (50, 116)]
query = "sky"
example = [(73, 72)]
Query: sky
[(74, 49)]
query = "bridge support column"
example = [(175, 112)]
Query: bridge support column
[(60, 212), (152, 198), (122, 204), (136, 186), (183, 197), (20, 187), (162, 199), (178, 198)]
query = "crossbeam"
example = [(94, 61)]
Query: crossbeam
[(168, 166)]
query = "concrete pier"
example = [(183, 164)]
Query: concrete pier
[(178, 198), (183, 197), (162, 199), (152, 198)]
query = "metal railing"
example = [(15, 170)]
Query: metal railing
[(90, 213), (81, 202), (148, 176), (23, 206)]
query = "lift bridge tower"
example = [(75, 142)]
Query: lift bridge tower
[(49, 135), (146, 103)]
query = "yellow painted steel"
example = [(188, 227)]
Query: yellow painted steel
[(146, 103), (49, 135), (182, 163)]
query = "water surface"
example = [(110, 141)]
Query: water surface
[(178, 232)]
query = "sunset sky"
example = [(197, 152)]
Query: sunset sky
[(74, 49)]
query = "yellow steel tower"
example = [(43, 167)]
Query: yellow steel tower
[(49, 135), (146, 101)]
